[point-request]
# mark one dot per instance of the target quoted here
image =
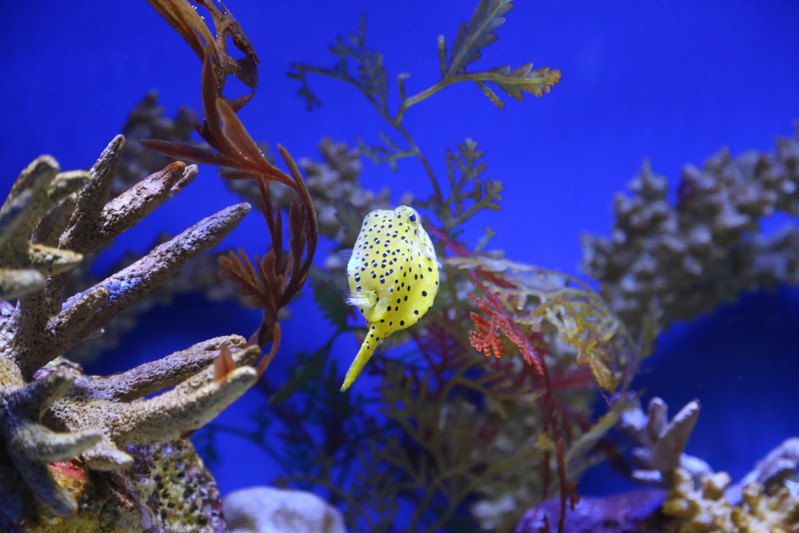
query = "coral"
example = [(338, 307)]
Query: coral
[(167, 488), (773, 470), (38, 190), (659, 444), (667, 262), (173, 487), (55, 412), (98, 414), (763, 512), (147, 121), (115, 405), (701, 506), (765, 500)]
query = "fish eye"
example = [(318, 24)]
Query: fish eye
[(412, 218)]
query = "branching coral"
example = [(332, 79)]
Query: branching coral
[(56, 412), (38, 189), (668, 262), (100, 414), (147, 121), (659, 442), (116, 406), (776, 468), (700, 505)]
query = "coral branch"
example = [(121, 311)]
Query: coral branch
[(120, 291), (38, 189), (31, 445), (660, 443), (98, 414), (140, 200), (166, 372), (673, 261), (187, 407)]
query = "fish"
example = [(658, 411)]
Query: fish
[(393, 276)]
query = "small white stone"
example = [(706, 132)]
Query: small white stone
[(271, 510)]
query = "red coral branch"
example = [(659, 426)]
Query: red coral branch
[(486, 336)]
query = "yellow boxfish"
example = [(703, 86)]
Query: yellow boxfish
[(393, 277)]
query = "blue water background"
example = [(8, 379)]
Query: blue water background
[(671, 82)]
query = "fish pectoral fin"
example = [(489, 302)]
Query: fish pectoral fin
[(363, 299)]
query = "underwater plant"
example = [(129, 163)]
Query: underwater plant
[(277, 276), (497, 399), (458, 429), (461, 439)]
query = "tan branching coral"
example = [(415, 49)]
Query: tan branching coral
[(114, 404), (659, 443), (39, 188), (56, 413), (147, 121), (667, 262), (763, 512), (701, 506), (773, 470)]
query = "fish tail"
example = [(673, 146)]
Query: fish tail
[(364, 354)]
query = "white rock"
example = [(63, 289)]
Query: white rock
[(271, 510)]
